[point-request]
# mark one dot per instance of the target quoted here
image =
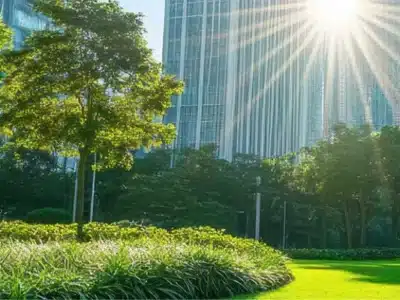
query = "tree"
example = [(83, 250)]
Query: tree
[(389, 145), (89, 85), (342, 173)]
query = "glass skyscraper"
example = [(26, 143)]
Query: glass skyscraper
[(258, 80), (242, 91), (19, 15)]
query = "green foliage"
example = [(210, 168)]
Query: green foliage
[(5, 36), (200, 190), (202, 236), (31, 180), (183, 264), (344, 179), (5, 43), (87, 85), (49, 216), (344, 254), (20, 231)]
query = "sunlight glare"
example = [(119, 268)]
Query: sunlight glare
[(334, 16)]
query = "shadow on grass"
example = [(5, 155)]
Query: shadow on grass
[(373, 272)]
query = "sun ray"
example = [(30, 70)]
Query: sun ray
[(284, 67), (394, 55), (286, 23), (328, 82), (306, 42), (295, 5), (316, 50), (286, 42), (362, 89), (379, 74), (381, 24), (383, 7), (290, 60)]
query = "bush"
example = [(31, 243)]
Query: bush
[(134, 263), (49, 216), (67, 232), (344, 254)]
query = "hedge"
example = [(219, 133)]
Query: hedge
[(42, 233), (344, 254)]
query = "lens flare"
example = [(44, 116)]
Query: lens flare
[(336, 16)]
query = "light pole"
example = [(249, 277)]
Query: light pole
[(258, 208), (75, 191), (284, 226), (93, 190)]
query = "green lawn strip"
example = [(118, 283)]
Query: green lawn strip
[(340, 280)]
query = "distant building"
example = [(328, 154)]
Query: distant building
[(19, 15)]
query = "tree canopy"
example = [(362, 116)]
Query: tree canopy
[(87, 85)]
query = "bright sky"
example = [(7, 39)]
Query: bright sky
[(154, 20)]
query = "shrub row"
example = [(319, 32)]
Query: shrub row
[(343, 254), (21, 231)]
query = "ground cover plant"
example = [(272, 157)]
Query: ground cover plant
[(133, 263), (340, 280)]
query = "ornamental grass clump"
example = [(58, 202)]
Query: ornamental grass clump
[(139, 269)]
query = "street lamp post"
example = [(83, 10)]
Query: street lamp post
[(258, 208), (75, 192), (284, 225), (93, 191)]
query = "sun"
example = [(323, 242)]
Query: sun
[(334, 16)]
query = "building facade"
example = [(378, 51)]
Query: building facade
[(242, 92), (19, 15), (260, 81)]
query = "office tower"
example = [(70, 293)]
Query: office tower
[(196, 49), (260, 80), (19, 15), (243, 91)]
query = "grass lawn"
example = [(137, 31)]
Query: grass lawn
[(340, 280)]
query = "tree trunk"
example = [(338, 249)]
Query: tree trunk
[(348, 225), (309, 240), (80, 205), (324, 233), (363, 225), (247, 225), (395, 218)]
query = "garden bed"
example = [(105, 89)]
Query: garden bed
[(45, 262)]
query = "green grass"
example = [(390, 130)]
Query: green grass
[(340, 280)]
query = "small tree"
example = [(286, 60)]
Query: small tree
[(89, 85)]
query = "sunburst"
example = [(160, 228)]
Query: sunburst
[(355, 42)]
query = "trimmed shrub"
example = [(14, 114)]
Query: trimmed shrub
[(343, 254), (49, 216), (139, 269), (67, 232)]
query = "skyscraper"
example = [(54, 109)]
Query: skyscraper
[(243, 92), (263, 79), (19, 15)]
